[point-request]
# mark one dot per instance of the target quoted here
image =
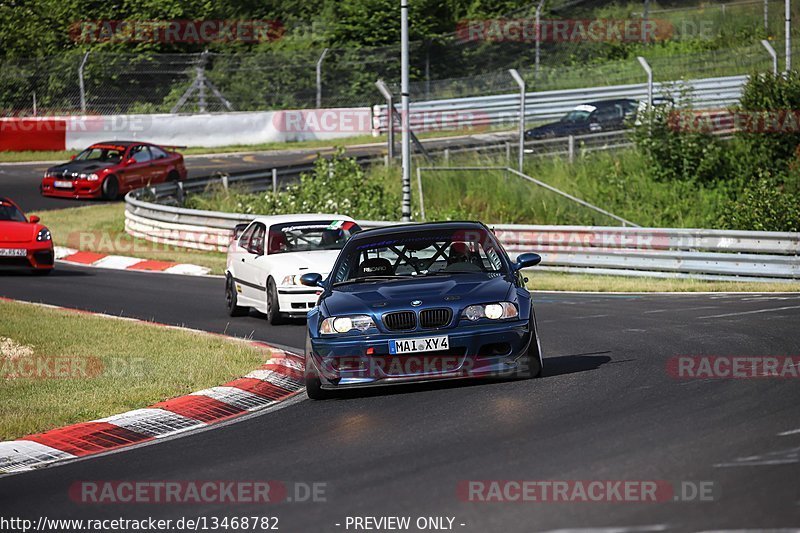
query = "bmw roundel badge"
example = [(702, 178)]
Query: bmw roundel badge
[(416, 303)]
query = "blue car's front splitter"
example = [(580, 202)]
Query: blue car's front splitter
[(485, 350)]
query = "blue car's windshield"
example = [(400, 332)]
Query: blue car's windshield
[(419, 254)]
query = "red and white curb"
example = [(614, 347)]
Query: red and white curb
[(121, 262), (279, 379)]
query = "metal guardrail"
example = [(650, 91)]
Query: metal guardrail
[(706, 93), (654, 252)]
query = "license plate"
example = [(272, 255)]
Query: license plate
[(62, 184), (13, 252), (424, 344)]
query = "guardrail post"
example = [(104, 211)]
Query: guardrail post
[(508, 153), (446, 156), (274, 180), (224, 179), (180, 193), (571, 148)]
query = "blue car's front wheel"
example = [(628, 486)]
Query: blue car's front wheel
[(530, 364), (314, 388)]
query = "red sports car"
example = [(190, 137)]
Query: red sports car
[(108, 169), (24, 243)]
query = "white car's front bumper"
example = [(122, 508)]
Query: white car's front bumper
[(297, 300)]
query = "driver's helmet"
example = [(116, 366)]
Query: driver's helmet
[(459, 253)]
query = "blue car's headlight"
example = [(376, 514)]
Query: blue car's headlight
[(343, 324), (496, 311)]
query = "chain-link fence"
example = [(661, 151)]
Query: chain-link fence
[(447, 67)]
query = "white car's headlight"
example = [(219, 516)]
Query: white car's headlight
[(343, 324), (291, 280), (496, 311)]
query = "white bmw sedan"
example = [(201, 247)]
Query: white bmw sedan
[(266, 261)]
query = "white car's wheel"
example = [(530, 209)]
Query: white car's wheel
[(274, 315), (232, 299)]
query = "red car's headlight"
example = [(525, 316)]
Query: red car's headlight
[(44, 235)]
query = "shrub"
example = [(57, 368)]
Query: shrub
[(763, 206), (336, 185)]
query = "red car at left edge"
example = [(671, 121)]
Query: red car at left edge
[(111, 168), (24, 242)]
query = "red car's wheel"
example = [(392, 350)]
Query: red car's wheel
[(110, 188)]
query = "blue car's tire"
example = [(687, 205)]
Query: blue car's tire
[(530, 364), (314, 388)]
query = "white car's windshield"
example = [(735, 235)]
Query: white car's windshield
[(309, 236)]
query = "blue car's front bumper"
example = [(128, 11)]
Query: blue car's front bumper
[(475, 350)]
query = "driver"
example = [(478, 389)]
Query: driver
[(459, 253)]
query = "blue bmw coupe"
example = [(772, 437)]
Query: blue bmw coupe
[(421, 302)]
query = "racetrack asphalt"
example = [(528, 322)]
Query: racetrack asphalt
[(20, 181), (606, 409)]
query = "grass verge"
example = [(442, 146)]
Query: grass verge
[(101, 229), (80, 376), (557, 281)]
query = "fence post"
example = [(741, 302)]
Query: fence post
[(421, 196), (34, 103), (788, 36), (274, 180), (521, 83), (387, 94), (80, 82), (772, 53), (446, 156), (319, 77), (766, 18), (200, 70), (224, 179), (538, 30), (508, 153), (646, 66)]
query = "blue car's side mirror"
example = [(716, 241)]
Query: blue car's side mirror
[(311, 279), (527, 260)]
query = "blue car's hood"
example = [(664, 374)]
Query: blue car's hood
[(434, 291)]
